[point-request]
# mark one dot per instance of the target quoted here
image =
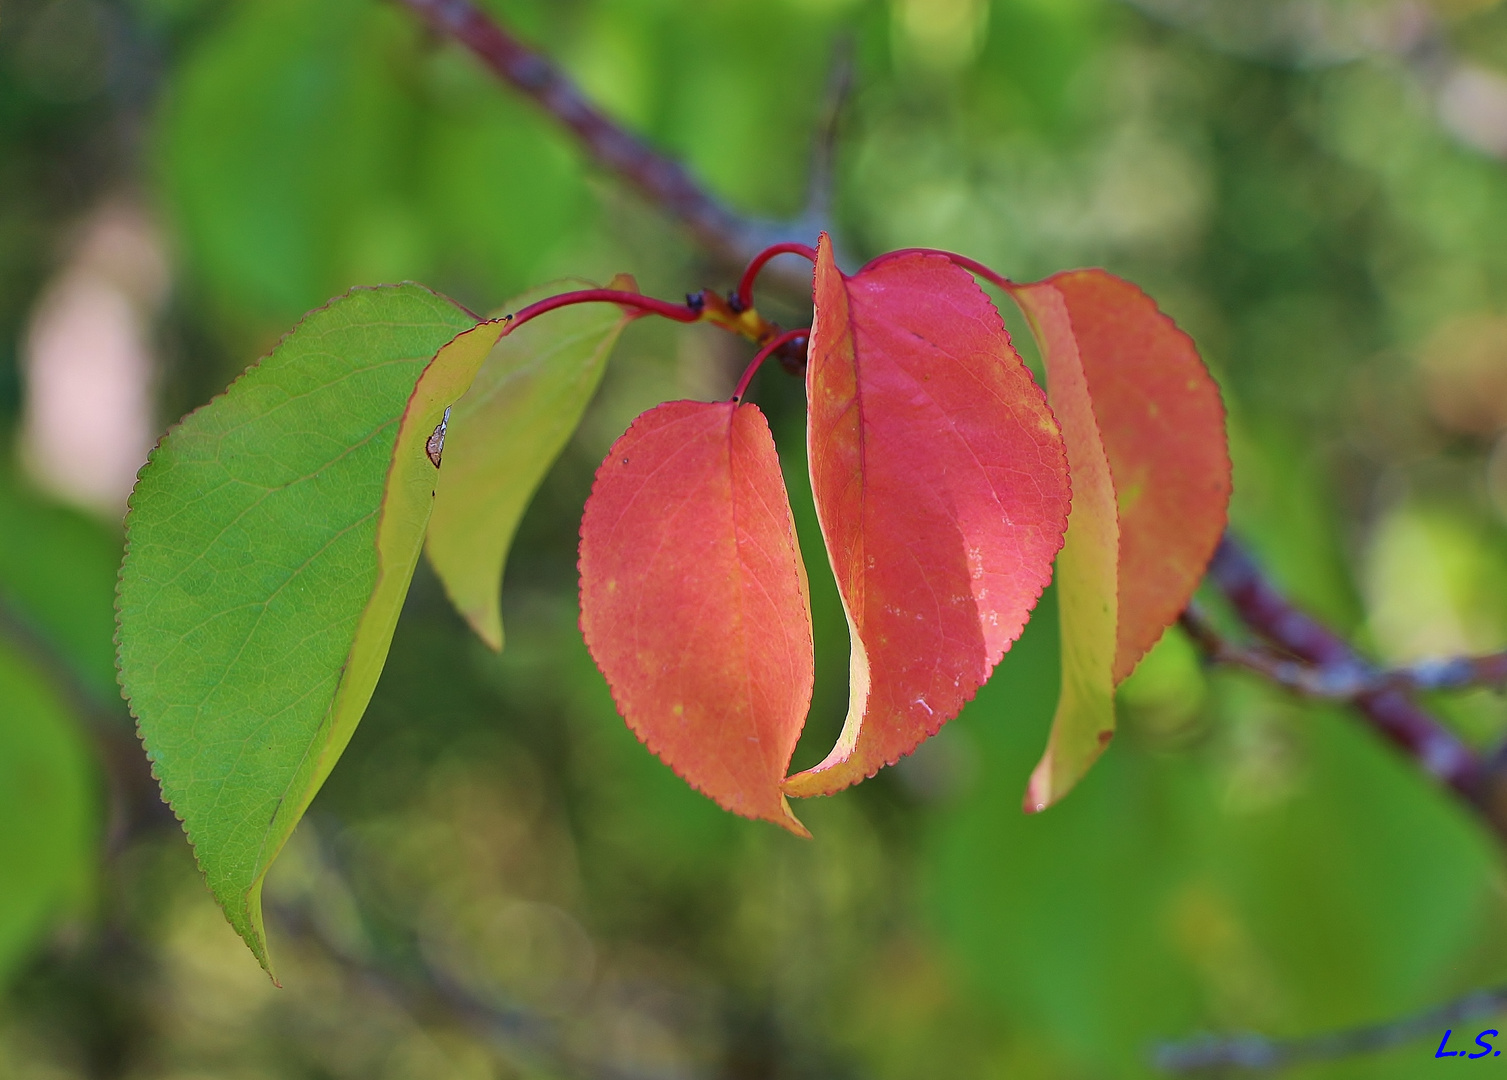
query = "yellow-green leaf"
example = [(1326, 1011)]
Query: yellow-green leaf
[(1087, 565), (1150, 468), (502, 437)]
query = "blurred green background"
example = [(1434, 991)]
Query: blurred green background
[(498, 880)]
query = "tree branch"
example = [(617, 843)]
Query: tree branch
[(823, 176), (660, 179), (1257, 1053), (1343, 682), (1390, 711), (1333, 683), (1325, 665)]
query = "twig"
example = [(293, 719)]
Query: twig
[(422, 988), (661, 179), (135, 806), (823, 177), (1331, 683), (1306, 657), (1453, 673), (1348, 681), (1391, 712), (1257, 1053)]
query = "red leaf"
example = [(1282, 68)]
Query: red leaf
[(693, 600), (1146, 441), (941, 488)]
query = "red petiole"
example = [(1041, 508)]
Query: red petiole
[(736, 315), (971, 265), (772, 346), (646, 305), (741, 301), (744, 291)]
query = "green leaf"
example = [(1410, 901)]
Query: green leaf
[(503, 436), (48, 811), (269, 546)]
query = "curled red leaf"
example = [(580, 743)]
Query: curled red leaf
[(694, 604), (941, 487)]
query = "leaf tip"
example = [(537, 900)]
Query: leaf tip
[(1039, 794), (246, 920), (485, 622), (1056, 775), (788, 821)]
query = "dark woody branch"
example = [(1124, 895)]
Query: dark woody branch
[(1343, 682), (1309, 680), (1327, 663)]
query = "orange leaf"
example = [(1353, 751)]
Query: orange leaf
[(941, 488), (1087, 566), (693, 600), (1134, 399)]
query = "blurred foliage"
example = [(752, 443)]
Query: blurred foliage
[(496, 838), (48, 805), (57, 572)]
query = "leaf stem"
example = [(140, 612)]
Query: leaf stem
[(744, 292), (789, 337), (646, 305)]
